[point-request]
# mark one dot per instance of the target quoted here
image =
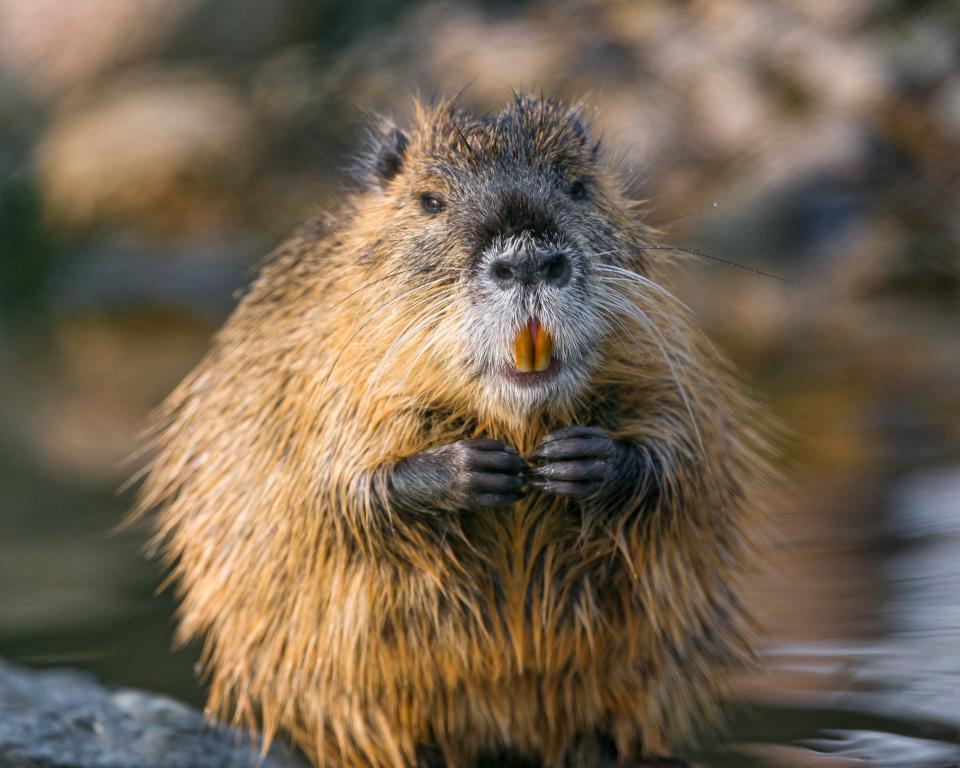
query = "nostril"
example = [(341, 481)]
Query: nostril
[(503, 272), (556, 268)]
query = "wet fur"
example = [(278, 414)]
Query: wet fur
[(562, 630)]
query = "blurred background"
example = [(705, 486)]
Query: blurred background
[(152, 151)]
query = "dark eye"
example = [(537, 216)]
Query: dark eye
[(578, 190), (432, 203)]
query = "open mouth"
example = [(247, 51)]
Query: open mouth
[(532, 354)]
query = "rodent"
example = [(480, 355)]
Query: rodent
[(459, 478)]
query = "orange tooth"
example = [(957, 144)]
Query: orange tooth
[(523, 350), (543, 349)]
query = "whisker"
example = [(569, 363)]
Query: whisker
[(648, 283), (398, 273), (459, 94), (427, 317), (630, 276), (624, 305), (658, 222), (640, 316), (462, 135), (363, 325), (423, 349), (704, 255)]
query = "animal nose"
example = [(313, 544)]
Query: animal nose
[(551, 268)]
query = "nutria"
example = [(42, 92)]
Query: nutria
[(459, 478)]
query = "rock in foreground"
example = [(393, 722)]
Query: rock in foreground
[(66, 719)]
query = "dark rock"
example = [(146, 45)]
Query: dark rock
[(66, 719)]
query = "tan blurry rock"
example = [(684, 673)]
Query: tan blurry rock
[(730, 112), (740, 29), (639, 24), (154, 153), (844, 74), (52, 46), (465, 46)]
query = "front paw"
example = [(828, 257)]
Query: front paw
[(574, 461), (487, 473)]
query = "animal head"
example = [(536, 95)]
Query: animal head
[(514, 227)]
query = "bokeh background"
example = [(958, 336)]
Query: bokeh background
[(152, 151)]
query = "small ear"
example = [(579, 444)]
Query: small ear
[(384, 156)]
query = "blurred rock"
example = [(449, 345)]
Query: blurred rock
[(845, 74), (729, 110), (156, 153), (53, 47), (65, 719), (528, 46), (743, 31)]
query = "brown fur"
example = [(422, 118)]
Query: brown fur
[(543, 628)]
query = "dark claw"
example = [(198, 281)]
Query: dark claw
[(576, 448), (488, 473), (566, 432), (575, 461), (575, 471), (499, 461)]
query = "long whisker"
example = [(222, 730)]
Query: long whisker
[(425, 318), (641, 280), (640, 316), (363, 325), (658, 222), (424, 348), (372, 283), (636, 283), (703, 255), (623, 304), (613, 316), (648, 283)]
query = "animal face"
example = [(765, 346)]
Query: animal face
[(511, 218)]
